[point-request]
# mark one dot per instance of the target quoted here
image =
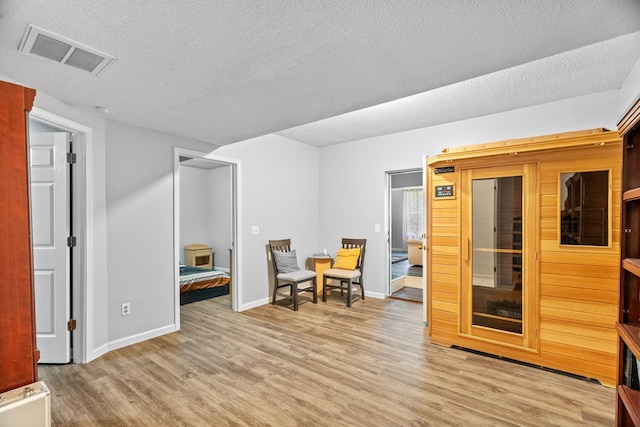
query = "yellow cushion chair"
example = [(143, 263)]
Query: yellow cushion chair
[(346, 271)]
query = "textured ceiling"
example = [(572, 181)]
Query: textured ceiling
[(226, 71), (587, 70)]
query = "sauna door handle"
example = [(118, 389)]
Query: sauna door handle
[(465, 248)]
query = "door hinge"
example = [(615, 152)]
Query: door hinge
[(71, 241), (71, 325), (71, 158)]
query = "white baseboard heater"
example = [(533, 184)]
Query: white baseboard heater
[(29, 405)]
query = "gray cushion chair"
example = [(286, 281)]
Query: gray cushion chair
[(287, 273), (345, 280)]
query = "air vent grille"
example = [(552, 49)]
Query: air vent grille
[(50, 48), (60, 49)]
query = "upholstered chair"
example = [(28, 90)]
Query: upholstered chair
[(287, 273), (347, 271)]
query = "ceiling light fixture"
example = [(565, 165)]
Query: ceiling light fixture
[(43, 43)]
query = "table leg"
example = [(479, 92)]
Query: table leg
[(320, 265)]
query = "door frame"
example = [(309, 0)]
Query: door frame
[(236, 265), (387, 220), (527, 339), (82, 256)]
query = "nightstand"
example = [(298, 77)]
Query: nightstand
[(198, 256)]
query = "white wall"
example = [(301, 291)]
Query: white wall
[(139, 196), (220, 211), (205, 210), (194, 208), (398, 243), (278, 193), (630, 89)]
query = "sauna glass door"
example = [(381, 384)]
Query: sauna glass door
[(494, 289), (496, 269)]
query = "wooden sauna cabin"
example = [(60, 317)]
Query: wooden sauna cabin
[(524, 250)]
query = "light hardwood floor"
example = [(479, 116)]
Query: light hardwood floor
[(325, 365)]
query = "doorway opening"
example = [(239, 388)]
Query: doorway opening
[(205, 230), (406, 234)]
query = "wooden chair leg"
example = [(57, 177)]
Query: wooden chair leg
[(275, 292), (349, 293), (294, 295), (324, 289), (361, 289), (315, 290)]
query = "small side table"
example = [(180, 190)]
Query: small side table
[(198, 256), (320, 264)]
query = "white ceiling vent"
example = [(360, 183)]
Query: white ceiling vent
[(37, 41)]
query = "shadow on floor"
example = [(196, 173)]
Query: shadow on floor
[(410, 290), (408, 293)]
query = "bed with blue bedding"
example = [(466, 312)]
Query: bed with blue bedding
[(198, 283)]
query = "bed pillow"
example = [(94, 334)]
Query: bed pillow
[(347, 259), (286, 262)]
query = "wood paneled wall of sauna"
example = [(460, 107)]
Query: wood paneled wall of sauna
[(523, 250)]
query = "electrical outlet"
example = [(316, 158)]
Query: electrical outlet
[(255, 230), (126, 309), (376, 228)]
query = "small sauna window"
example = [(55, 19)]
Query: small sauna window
[(584, 204)]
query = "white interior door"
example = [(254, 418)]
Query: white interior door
[(50, 225)]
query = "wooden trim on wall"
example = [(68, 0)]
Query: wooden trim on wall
[(630, 119), (564, 140)]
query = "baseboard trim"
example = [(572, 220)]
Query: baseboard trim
[(144, 336), (100, 351), (258, 303), (253, 304), (377, 295)]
